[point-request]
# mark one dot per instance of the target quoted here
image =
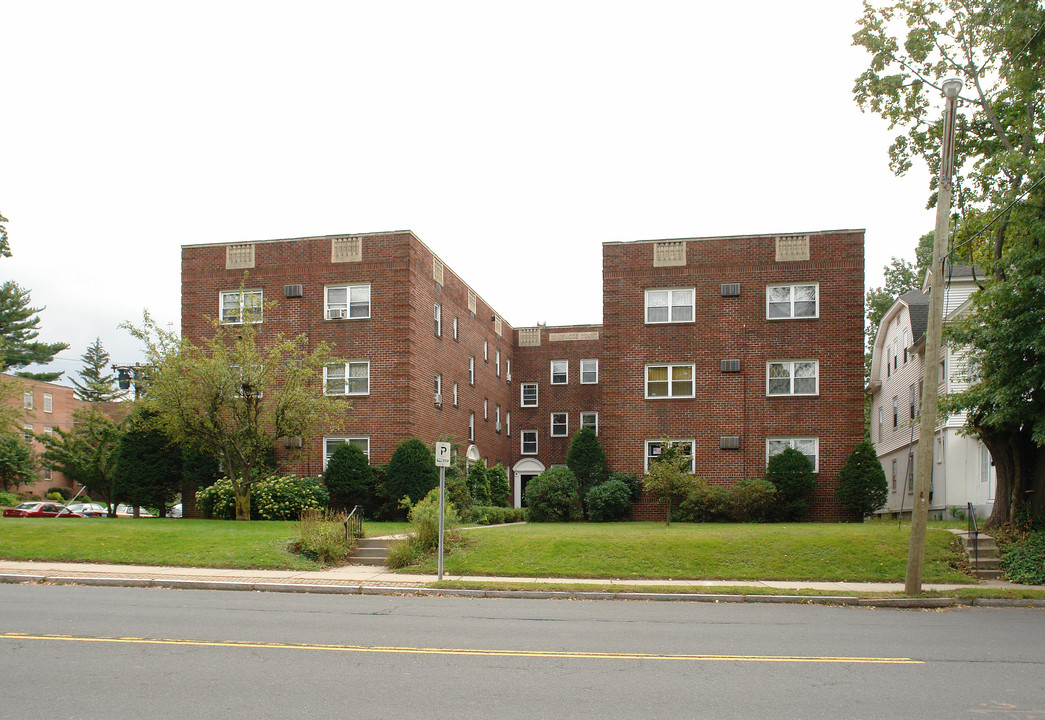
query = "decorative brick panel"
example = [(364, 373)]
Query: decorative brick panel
[(346, 249), (790, 248), (669, 254), (239, 257)]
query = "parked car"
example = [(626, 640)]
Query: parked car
[(40, 509), (175, 511), (90, 509), (126, 511)]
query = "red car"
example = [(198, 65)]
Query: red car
[(40, 509)]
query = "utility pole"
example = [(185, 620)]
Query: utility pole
[(933, 341)]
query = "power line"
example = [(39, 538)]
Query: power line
[(948, 257)]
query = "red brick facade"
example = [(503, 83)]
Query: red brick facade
[(399, 341)]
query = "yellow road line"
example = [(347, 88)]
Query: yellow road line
[(470, 651)]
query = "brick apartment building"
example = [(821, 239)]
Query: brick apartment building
[(735, 347)]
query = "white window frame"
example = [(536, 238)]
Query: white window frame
[(48, 403), (790, 301), (562, 371), (497, 418), (497, 363), (438, 315), (355, 307), (791, 367), (776, 445), (508, 422), (347, 378), (27, 400), (590, 368), (522, 395), (486, 351), (562, 421), (455, 327), (507, 369), (592, 423), (471, 370), (674, 300), (650, 444), (455, 394), (27, 432), (528, 436), (671, 367), (437, 385), (486, 409), (471, 426), (240, 311), (358, 440)]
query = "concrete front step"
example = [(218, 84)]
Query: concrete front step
[(372, 551), (984, 558)]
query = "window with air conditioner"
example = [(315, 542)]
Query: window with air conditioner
[(347, 302)]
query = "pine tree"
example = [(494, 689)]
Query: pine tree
[(98, 385), (19, 328), (5, 247)]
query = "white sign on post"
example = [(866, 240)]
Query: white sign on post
[(442, 454)]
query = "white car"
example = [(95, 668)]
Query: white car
[(126, 511), (175, 511)]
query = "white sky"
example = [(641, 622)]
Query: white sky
[(512, 138)]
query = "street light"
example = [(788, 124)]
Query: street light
[(933, 337)]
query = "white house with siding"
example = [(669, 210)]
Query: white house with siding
[(962, 468)]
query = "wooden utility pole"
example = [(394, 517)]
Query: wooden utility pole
[(931, 358)]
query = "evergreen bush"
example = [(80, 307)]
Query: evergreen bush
[(753, 500), (705, 503), (553, 496), (586, 458), (609, 501), (500, 491), (792, 474), (479, 484), (349, 479), (862, 487), (411, 473)]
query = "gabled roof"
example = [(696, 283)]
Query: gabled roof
[(917, 304)]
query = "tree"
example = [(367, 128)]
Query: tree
[(87, 453), (500, 492), (553, 496), (98, 384), (348, 476), (587, 459), (230, 399), (148, 465), (669, 478), (479, 484), (792, 474), (862, 487), (19, 328), (5, 247), (411, 472), (17, 460)]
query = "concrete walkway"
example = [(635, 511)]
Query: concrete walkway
[(361, 579)]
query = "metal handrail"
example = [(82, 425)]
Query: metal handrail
[(974, 532), (355, 519)]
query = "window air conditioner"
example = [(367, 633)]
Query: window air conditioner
[(337, 314), (438, 398)]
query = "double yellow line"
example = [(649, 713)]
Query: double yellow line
[(468, 651)]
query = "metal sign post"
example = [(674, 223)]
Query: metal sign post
[(442, 461)]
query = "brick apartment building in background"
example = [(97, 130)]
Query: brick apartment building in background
[(735, 347)]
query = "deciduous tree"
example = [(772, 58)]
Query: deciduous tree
[(86, 453), (669, 478)]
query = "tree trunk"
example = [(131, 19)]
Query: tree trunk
[(1020, 468), (242, 489)]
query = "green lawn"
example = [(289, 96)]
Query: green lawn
[(156, 541), (854, 552)]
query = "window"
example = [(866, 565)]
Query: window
[(529, 442), (806, 446), (913, 401), (486, 409), (792, 377), (669, 305), (497, 419), (27, 400), (27, 433), (590, 420), (352, 378), (438, 385), (792, 301), (906, 344), (896, 412), (589, 372), (48, 430), (529, 394), (471, 370), (455, 394), (560, 372), (894, 475), (48, 403), (508, 369), (497, 364), (559, 424), (438, 320), (508, 422), (471, 426), (486, 351), (347, 301), (655, 447), (669, 381), (241, 307), (455, 327), (330, 444), (985, 463), (881, 415)]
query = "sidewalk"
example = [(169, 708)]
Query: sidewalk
[(369, 580)]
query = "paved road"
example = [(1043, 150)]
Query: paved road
[(90, 652)]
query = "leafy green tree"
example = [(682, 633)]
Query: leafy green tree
[(669, 479), (5, 246), (19, 328), (862, 487), (349, 478), (586, 458), (17, 460), (411, 472), (479, 484), (231, 399), (148, 465), (87, 453), (792, 474), (500, 492), (553, 496), (98, 384)]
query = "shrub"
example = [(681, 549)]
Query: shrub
[(792, 474), (401, 554), (669, 479), (862, 487), (424, 539), (753, 500), (500, 492), (705, 503), (284, 498), (479, 484), (1024, 560), (634, 483), (62, 493), (492, 515), (323, 536), (8, 499), (217, 501), (56, 496), (609, 501), (411, 472), (553, 496), (349, 479), (586, 458)]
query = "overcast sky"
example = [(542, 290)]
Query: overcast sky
[(512, 138)]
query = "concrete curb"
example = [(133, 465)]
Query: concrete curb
[(330, 589)]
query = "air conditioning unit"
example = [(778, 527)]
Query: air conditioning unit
[(730, 289), (337, 314), (730, 366), (729, 442), (292, 442), (438, 398), (293, 291), (497, 427)]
